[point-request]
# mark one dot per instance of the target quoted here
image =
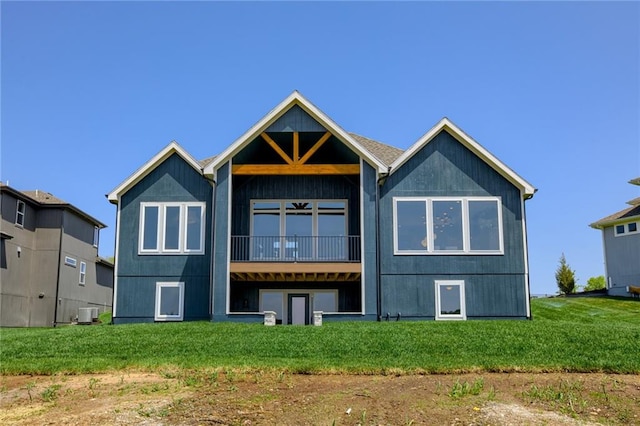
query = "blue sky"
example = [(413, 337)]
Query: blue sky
[(91, 91)]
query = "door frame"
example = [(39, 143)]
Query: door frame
[(290, 297)]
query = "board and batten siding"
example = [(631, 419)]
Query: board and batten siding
[(495, 285), (369, 259), (173, 180), (621, 257), (221, 243)]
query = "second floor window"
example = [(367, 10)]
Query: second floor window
[(20, 211), (171, 228)]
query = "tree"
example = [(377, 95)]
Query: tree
[(595, 283), (565, 277)]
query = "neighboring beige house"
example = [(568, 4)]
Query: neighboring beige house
[(49, 263)]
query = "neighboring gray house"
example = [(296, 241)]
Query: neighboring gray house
[(298, 215), (621, 243), (49, 264)]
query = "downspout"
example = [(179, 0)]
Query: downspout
[(55, 309), (212, 245), (381, 180)]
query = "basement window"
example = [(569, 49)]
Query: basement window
[(450, 303), (169, 301)]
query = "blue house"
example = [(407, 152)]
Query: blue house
[(299, 216)]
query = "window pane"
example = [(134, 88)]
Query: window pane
[(150, 238), (325, 302), (194, 228), (330, 205), (447, 225), (266, 236), (265, 206), (411, 225), (332, 241), (272, 302), (299, 229), (170, 301), (633, 227), (484, 228), (172, 228), (620, 229), (450, 300)]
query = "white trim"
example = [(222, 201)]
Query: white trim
[(526, 258), (430, 250), (285, 292), (362, 241), (445, 124), (229, 211), (180, 316), (294, 98), (149, 166), (160, 248), (82, 279), (22, 214), (70, 261), (463, 302), (96, 236), (116, 261)]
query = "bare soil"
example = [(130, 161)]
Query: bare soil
[(178, 397)]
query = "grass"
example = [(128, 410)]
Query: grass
[(567, 334)]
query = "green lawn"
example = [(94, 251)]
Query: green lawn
[(577, 334)]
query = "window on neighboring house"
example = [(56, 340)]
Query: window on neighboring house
[(96, 236), (169, 301), (20, 211), (450, 302), (626, 229), (443, 225), (70, 261), (172, 228), (83, 273)]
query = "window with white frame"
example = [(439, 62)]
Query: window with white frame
[(96, 236), (626, 229), (20, 211), (169, 301), (172, 228), (447, 225), (83, 273), (70, 261), (450, 302)]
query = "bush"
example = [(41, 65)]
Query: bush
[(565, 277)]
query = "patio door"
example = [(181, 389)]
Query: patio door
[(298, 308)]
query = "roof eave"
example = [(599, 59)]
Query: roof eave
[(172, 148), (294, 98), (445, 124)]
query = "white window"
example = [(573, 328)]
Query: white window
[(20, 210), (83, 273), (299, 229), (626, 229), (169, 301), (450, 303), (172, 228), (70, 261), (96, 236), (444, 225)]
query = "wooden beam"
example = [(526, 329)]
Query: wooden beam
[(276, 148), (315, 147), (296, 169), (296, 148)]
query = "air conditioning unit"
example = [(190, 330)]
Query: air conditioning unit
[(85, 315), (94, 313)]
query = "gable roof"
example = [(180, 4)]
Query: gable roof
[(618, 217), (149, 166), (446, 125), (385, 153), (294, 98), (43, 199)]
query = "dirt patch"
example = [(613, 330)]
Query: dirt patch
[(179, 397)]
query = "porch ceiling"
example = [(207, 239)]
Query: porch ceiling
[(309, 272)]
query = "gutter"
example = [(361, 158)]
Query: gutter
[(212, 262)]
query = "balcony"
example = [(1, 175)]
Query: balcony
[(295, 249), (295, 258)]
